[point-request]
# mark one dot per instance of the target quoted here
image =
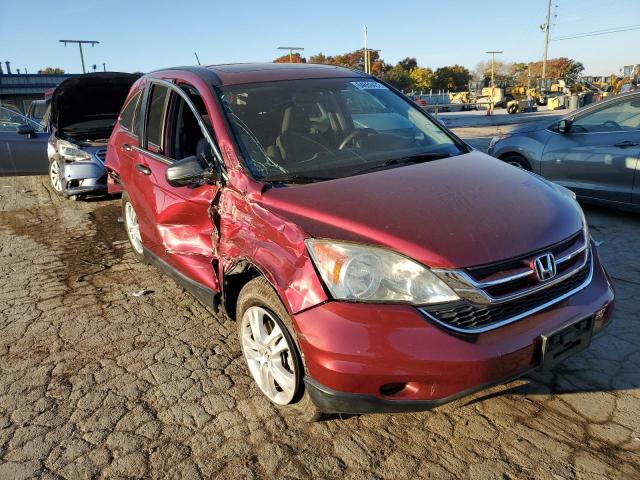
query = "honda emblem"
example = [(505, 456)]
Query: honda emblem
[(545, 266)]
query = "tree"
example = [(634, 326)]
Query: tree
[(353, 60), (318, 58), (399, 77), (295, 58), (454, 77), (408, 64), (557, 67), (421, 78), (51, 71)]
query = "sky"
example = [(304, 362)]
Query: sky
[(143, 35)]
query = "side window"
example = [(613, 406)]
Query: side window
[(621, 116), (10, 120), (155, 117), (127, 117), (183, 132)]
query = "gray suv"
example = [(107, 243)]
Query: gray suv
[(593, 151)]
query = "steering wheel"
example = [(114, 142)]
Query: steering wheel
[(611, 124), (358, 132)]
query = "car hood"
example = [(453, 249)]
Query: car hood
[(83, 97), (457, 212), (529, 127)]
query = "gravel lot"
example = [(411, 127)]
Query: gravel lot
[(98, 382)]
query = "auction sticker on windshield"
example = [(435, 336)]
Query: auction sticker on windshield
[(369, 86)]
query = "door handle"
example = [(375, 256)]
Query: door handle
[(627, 144), (126, 147), (143, 169)]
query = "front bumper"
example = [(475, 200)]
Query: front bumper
[(83, 177), (390, 358)]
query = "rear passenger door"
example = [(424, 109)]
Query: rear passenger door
[(174, 221)]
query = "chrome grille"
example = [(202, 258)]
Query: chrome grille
[(500, 293)]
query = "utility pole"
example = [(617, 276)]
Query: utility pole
[(104, 67), (291, 49), (366, 52), (80, 43), (546, 27), (493, 86)]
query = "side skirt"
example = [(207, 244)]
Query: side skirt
[(205, 295)]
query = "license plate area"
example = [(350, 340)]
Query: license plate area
[(563, 343)]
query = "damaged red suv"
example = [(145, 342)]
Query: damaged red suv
[(372, 260)]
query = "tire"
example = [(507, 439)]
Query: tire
[(258, 296), (512, 109), (131, 218), (517, 161), (54, 173)]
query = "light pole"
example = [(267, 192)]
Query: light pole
[(493, 61), (80, 42), (546, 27), (291, 49)]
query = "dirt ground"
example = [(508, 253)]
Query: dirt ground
[(96, 382)]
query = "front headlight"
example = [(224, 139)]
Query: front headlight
[(371, 274), (71, 153)]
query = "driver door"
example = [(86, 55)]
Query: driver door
[(21, 154), (174, 221), (597, 158)]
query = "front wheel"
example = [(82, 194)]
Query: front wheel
[(54, 176), (270, 351), (517, 161)]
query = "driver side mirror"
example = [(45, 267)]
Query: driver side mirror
[(564, 126), (26, 129), (192, 171)]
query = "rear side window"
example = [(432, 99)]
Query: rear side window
[(156, 115), (127, 117)]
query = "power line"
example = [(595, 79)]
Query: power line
[(597, 32)]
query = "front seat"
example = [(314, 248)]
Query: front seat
[(298, 141)]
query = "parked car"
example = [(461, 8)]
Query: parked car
[(367, 271), (84, 109), (23, 145), (592, 151), (37, 109)]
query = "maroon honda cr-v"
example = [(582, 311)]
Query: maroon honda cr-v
[(372, 260)]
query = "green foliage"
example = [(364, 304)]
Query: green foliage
[(51, 71), (453, 78)]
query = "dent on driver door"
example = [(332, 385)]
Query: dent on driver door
[(182, 225)]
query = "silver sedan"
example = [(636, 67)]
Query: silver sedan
[(593, 151)]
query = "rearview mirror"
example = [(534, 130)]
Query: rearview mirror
[(189, 171), (564, 126), (26, 129)]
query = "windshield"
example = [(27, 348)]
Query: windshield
[(319, 129)]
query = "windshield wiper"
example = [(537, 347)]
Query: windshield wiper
[(296, 179), (419, 158)]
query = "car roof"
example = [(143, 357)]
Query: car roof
[(239, 73)]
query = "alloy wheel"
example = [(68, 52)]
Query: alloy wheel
[(54, 176), (516, 164), (269, 355), (133, 229)]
